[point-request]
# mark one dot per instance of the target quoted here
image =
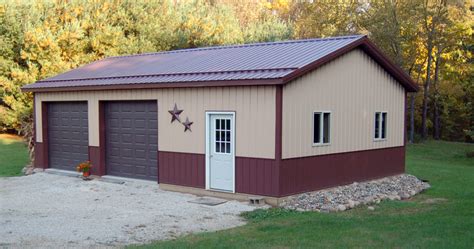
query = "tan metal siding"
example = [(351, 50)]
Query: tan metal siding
[(254, 107), (352, 88)]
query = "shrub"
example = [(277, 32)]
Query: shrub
[(84, 167)]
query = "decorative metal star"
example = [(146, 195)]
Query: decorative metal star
[(175, 113), (187, 125)]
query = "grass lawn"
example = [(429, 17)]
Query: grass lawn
[(442, 217), (13, 155)]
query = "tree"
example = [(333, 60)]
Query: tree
[(393, 27), (430, 39), (324, 18), (44, 38), (420, 36)]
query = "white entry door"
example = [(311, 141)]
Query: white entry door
[(221, 151)]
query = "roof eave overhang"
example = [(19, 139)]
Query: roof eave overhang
[(219, 83)]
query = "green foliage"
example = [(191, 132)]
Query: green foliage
[(39, 39), (271, 29), (263, 214), (325, 18), (409, 32)]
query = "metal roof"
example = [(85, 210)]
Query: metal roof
[(259, 61)]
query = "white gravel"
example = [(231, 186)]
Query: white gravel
[(51, 211)]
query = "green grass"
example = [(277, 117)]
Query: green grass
[(13, 155), (447, 223)]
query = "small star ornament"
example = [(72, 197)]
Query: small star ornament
[(187, 125), (175, 113)]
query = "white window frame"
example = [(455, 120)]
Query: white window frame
[(227, 143), (321, 129), (379, 138)]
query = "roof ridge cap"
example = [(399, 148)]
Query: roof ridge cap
[(239, 46)]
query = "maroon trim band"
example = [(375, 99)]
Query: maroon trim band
[(220, 83)]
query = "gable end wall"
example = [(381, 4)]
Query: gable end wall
[(352, 87)]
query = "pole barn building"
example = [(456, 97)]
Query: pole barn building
[(268, 119)]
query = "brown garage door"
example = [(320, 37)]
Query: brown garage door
[(68, 134), (131, 135)]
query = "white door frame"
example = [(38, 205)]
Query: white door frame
[(208, 146)]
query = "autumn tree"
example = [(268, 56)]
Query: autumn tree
[(432, 40)]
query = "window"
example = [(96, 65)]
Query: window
[(321, 128), (222, 138), (380, 125)]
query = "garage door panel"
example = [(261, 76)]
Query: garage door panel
[(152, 138), (153, 148), (114, 138), (140, 170), (126, 123), (126, 153), (129, 150), (68, 134), (140, 153), (140, 139), (139, 123), (127, 138)]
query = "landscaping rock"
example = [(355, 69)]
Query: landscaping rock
[(404, 195), (37, 170), (341, 207), (371, 208), (350, 196), (351, 203), (28, 170)]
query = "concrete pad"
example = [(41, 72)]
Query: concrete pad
[(63, 172), (210, 201)]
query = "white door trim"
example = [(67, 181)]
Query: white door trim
[(208, 159)]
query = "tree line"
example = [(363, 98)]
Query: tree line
[(432, 40)]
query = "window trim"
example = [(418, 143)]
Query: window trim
[(379, 138), (321, 130), (226, 143)]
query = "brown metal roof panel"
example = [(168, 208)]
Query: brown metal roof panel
[(289, 54), (248, 63)]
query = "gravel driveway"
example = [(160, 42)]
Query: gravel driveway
[(52, 211)]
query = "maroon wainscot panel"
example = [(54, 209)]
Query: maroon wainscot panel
[(185, 169), (97, 153), (312, 173), (256, 176), (253, 175), (41, 149)]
